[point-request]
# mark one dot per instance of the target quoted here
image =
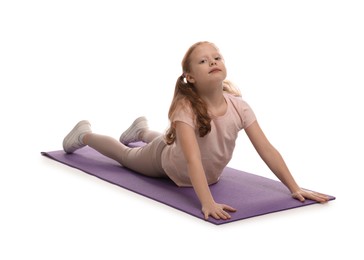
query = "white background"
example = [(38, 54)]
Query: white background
[(299, 65)]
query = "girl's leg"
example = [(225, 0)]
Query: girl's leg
[(145, 160), (148, 136), (105, 145)]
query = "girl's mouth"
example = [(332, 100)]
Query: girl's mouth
[(214, 70)]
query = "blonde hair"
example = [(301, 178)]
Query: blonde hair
[(186, 92)]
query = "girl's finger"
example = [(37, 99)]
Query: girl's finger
[(228, 208), (226, 215), (298, 196), (206, 215), (317, 197)]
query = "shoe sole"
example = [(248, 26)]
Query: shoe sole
[(69, 139)]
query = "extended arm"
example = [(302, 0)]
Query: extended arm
[(276, 164), (191, 151)]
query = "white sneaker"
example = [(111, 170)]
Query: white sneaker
[(132, 134), (73, 140)]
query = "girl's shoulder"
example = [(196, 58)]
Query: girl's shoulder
[(184, 105), (183, 108), (236, 100), (240, 106)]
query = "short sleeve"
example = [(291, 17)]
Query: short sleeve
[(243, 110), (248, 115), (183, 113)]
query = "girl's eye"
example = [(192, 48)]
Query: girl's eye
[(218, 58), (203, 61)]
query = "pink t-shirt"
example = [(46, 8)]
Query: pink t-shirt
[(216, 147)]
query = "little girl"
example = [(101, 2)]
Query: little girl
[(206, 114)]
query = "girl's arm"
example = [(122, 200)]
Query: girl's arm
[(276, 164), (191, 151)]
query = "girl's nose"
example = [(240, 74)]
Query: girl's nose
[(213, 62)]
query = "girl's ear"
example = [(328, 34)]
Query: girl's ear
[(189, 78)]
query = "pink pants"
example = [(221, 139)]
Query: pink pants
[(145, 160)]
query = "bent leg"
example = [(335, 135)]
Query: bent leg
[(148, 136)]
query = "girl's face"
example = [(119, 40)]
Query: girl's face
[(206, 66)]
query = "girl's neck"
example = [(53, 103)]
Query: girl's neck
[(215, 101)]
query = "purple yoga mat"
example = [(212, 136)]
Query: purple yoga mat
[(250, 194)]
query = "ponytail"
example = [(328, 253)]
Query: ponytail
[(187, 91)]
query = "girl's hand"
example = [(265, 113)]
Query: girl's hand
[(303, 194), (217, 211)]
